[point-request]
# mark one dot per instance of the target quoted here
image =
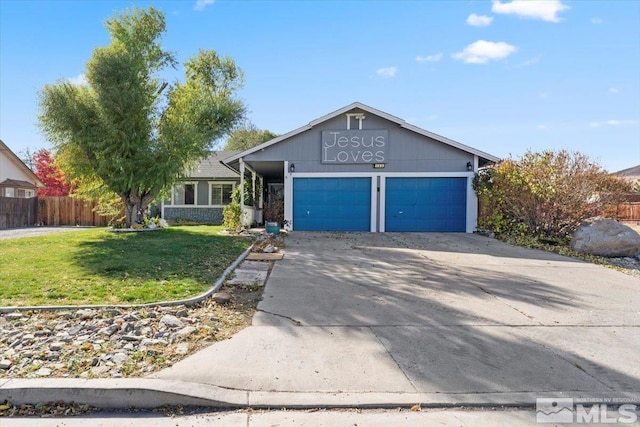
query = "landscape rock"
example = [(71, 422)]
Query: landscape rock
[(606, 237), (221, 297), (43, 372), (182, 348), (56, 346), (105, 342), (185, 332), (13, 316), (171, 321), (86, 314)]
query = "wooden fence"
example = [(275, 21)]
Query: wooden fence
[(627, 212), (15, 212), (49, 211), (56, 211)]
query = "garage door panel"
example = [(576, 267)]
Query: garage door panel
[(332, 204), (426, 204)]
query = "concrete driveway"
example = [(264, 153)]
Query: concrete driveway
[(458, 317)]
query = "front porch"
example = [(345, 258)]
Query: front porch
[(268, 183)]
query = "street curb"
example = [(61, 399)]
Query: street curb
[(188, 301), (146, 393), (120, 393)]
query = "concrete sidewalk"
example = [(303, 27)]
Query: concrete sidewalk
[(384, 320), (379, 418)]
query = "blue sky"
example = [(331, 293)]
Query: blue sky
[(500, 76)]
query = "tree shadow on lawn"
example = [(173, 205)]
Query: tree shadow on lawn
[(165, 264)]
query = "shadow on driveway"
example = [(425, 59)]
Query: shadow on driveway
[(443, 313)]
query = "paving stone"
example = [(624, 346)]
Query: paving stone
[(254, 265), (248, 277)]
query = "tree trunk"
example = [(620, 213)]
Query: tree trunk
[(132, 211), (135, 207)]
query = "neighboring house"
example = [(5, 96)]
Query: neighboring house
[(203, 193), (631, 174), (361, 169), (16, 179)]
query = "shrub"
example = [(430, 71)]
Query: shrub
[(546, 194), (274, 212), (232, 213)]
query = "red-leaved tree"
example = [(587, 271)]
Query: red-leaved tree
[(50, 174)]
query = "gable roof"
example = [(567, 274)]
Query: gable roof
[(629, 173), (373, 111), (17, 184), (20, 164), (212, 166)]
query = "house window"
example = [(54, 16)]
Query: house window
[(221, 193), (184, 194), (9, 192)]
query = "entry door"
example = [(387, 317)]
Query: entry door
[(426, 204), (332, 204)]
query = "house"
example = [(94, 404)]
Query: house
[(203, 193), (16, 179), (361, 169), (631, 174)]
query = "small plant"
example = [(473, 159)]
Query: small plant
[(274, 212), (232, 213)]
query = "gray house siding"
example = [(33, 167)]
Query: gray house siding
[(407, 150), (208, 170), (200, 215)]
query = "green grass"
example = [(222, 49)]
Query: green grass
[(96, 266)]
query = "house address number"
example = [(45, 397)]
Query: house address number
[(355, 146)]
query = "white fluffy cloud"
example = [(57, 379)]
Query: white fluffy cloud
[(479, 20), (387, 72), (201, 4), (429, 58), (613, 123), (482, 51), (546, 10), (80, 79)]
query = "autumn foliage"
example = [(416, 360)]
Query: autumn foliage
[(50, 174), (546, 194)]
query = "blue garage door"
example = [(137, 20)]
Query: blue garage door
[(426, 204), (332, 204)]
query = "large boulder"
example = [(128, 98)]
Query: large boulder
[(606, 237)]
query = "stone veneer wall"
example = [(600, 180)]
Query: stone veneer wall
[(201, 215)]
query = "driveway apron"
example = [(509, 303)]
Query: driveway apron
[(431, 313)]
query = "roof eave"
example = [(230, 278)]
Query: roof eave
[(376, 112), (266, 144), (21, 165)]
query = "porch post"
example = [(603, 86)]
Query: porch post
[(288, 197), (242, 221), (253, 188)]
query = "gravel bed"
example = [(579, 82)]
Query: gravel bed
[(116, 343)]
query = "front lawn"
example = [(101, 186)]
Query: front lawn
[(95, 266)]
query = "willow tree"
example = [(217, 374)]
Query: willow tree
[(129, 132)]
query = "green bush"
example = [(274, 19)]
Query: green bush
[(232, 213), (546, 194)]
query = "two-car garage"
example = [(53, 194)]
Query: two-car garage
[(361, 169), (380, 203)]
